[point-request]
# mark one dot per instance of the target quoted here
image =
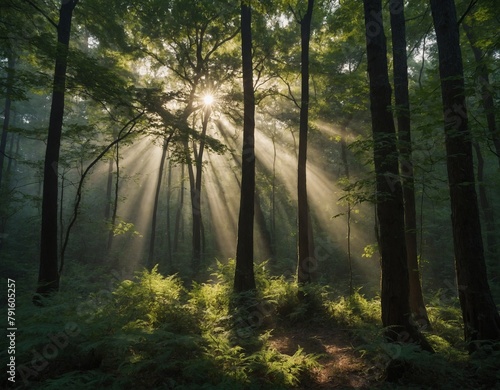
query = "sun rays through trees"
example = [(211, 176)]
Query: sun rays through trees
[(243, 194)]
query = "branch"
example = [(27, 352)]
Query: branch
[(472, 4), (290, 93), (120, 137), (49, 19)]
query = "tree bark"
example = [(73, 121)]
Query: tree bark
[(396, 315), (306, 261), (111, 233), (264, 233), (343, 153), (198, 236), (480, 315), (48, 277), (152, 238), (483, 78), (178, 215), (11, 63), (109, 189), (14, 139), (488, 213), (402, 101), (244, 278), (168, 225)]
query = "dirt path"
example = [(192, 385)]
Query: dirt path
[(342, 367)]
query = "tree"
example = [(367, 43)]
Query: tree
[(306, 261), (244, 278), (48, 277), (155, 206), (402, 100), (396, 315), (488, 103), (11, 61), (480, 315), (483, 79)]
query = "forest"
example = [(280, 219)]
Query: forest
[(253, 194)]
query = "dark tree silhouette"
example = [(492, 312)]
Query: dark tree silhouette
[(396, 315), (306, 261), (48, 277), (480, 315), (402, 100), (244, 278)]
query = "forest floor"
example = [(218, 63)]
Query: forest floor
[(342, 367)]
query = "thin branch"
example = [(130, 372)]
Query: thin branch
[(290, 93), (120, 137), (472, 4), (49, 19)]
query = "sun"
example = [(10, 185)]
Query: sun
[(208, 99)]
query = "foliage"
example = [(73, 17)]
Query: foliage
[(354, 311), (151, 332)]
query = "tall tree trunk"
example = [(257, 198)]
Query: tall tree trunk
[(48, 277), (265, 235), (168, 227), (273, 201), (306, 261), (396, 315), (480, 315), (198, 236), (11, 63), (343, 152), (178, 214), (112, 224), (488, 214), (155, 205), (12, 152), (402, 101), (5, 129), (483, 78), (196, 223), (244, 277), (109, 190)]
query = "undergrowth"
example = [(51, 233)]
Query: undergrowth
[(153, 332)]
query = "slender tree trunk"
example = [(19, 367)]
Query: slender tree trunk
[(480, 315), (11, 63), (306, 262), (178, 215), (168, 227), (396, 315), (155, 205), (48, 277), (273, 201), (483, 78), (265, 235), (343, 150), (12, 153), (61, 209), (244, 278), (488, 212), (195, 228), (112, 227), (5, 129), (402, 101), (109, 190), (198, 236)]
